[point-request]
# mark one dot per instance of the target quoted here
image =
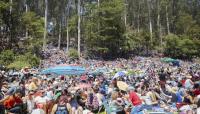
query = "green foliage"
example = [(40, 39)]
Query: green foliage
[(73, 54), (3, 5), (181, 47), (194, 32), (184, 23), (19, 65), (29, 58), (34, 24), (105, 28), (11, 60), (7, 57)]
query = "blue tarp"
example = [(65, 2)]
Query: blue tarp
[(65, 70), (98, 71)]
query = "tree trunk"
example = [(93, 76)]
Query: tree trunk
[(9, 40), (167, 19), (45, 24), (67, 21), (79, 31), (158, 22), (67, 36), (125, 15), (138, 18), (11, 2), (150, 21), (26, 12), (59, 36)]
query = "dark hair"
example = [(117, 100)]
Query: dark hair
[(18, 91), (65, 92), (21, 82), (196, 86), (180, 84)]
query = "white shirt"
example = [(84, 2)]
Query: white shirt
[(188, 84)]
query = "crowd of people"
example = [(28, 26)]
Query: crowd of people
[(52, 57), (154, 86)]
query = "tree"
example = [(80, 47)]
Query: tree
[(79, 29), (184, 23), (104, 28), (45, 25), (180, 47), (108, 41)]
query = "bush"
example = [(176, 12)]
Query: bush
[(7, 57), (29, 58), (181, 47), (73, 54), (26, 60), (19, 65)]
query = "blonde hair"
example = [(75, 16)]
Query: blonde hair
[(114, 95)]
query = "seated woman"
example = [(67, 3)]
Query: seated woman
[(153, 97), (117, 104), (62, 107)]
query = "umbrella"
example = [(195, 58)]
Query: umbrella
[(65, 70), (122, 85), (167, 60), (119, 74), (98, 71)]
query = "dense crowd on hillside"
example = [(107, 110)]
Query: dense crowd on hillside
[(136, 86)]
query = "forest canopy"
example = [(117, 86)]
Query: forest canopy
[(100, 28)]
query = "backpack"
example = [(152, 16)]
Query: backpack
[(61, 109)]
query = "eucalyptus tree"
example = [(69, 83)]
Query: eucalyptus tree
[(45, 25)]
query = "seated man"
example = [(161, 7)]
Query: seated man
[(14, 102)]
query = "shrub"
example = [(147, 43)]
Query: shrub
[(73, 54), (7, 57), (19, 65)]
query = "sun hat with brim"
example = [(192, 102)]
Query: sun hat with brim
[(122, 85), (26, 67), (189, 77)]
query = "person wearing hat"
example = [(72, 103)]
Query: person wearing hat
[(117, 104)]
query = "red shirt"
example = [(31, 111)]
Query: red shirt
[(135, 99), (196, 92), (183, 82), (12, 101)]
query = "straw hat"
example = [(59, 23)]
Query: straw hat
[(122, 85), (189, 77), (26, 67)]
